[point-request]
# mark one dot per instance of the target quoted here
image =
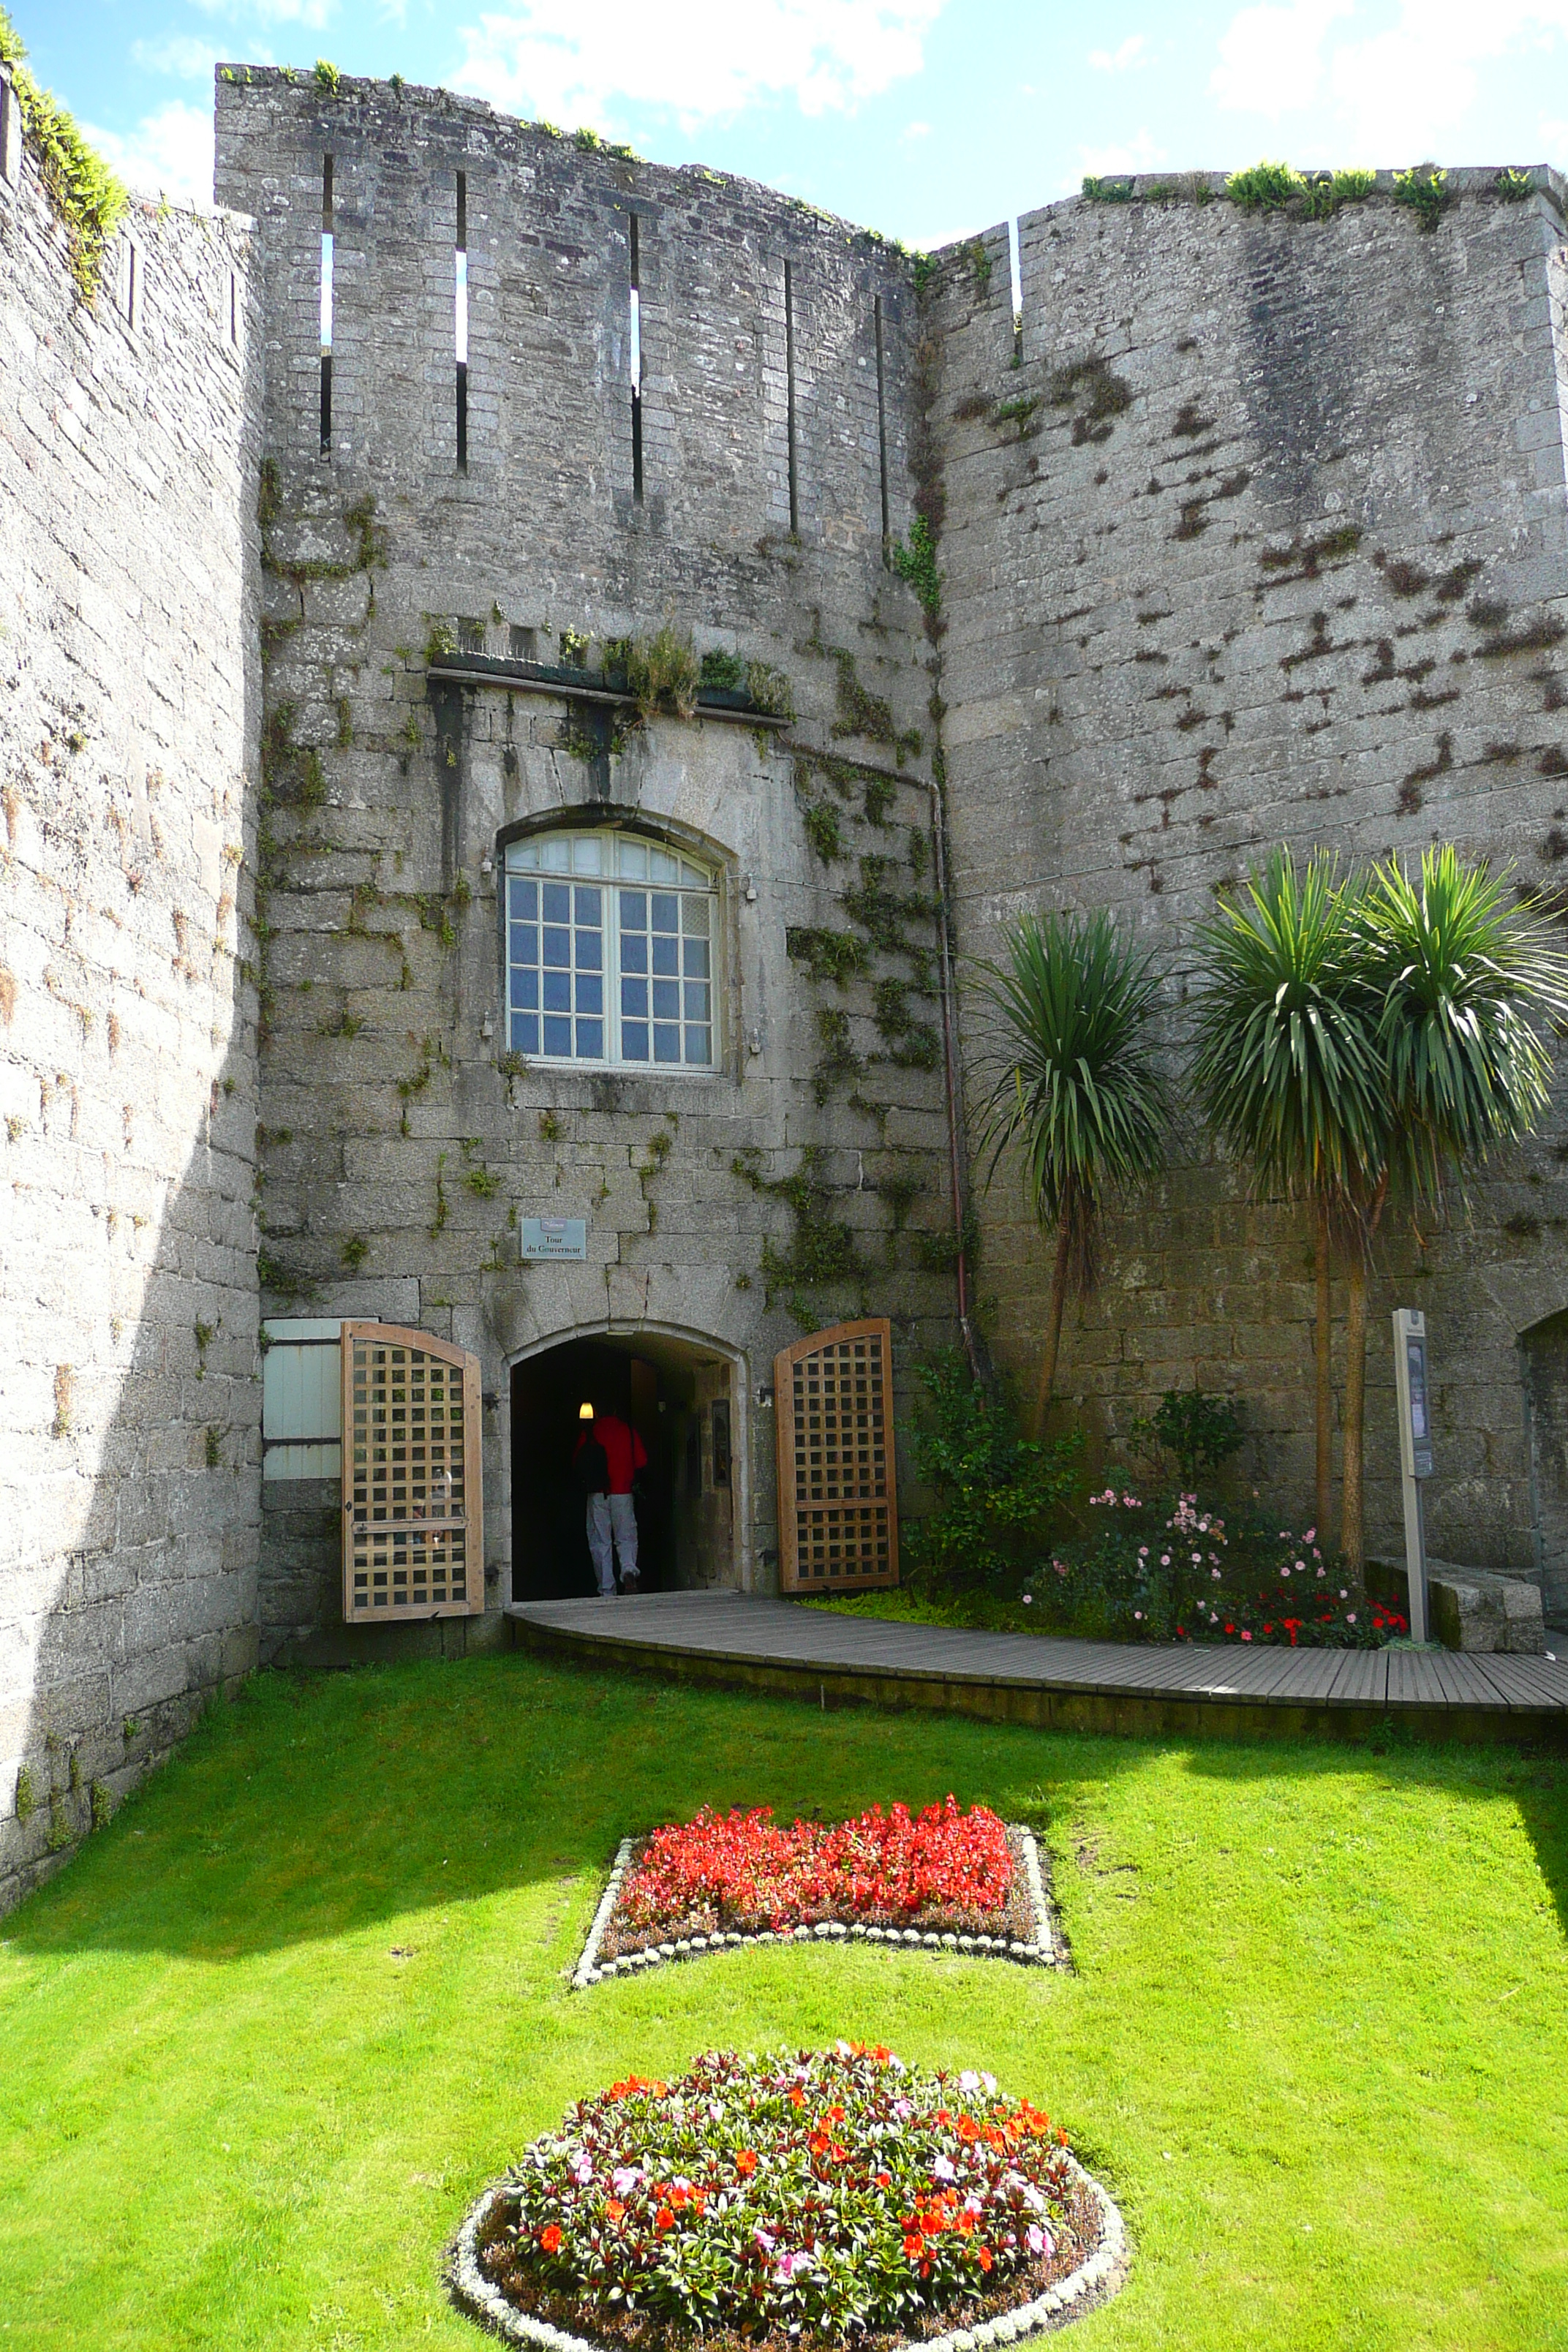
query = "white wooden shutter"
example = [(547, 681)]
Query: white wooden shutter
[(838, 1513), (413, 1509)]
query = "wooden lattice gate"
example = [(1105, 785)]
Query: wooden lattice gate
[(413, 1510), (838, 1513)]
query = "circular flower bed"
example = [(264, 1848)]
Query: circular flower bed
[(942, 1871), (780, 2201)]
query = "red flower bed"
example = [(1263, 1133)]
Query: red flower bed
[(742, 1872)]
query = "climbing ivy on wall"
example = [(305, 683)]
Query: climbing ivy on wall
[(89, 200)]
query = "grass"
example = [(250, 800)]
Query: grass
[(1316, 2039)]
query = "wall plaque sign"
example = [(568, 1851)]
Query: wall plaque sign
[(555, 1237)]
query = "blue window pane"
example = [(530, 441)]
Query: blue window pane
[(590, 950), (634, 997), (524, 1033), (558, 1037), (588, 905), (525, 943), (697, 999), (633, 951), (665, 999), (558, 991), (665, 954), (699, 1046), (634, 1041), (634, 910), (591, 992), (557, 902), (666, 1041), (525, 991), (695, 959), (666, 912), (591, 1041), (557, 947), (525, 901)]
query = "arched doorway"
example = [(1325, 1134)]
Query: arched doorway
[(686, 1401)]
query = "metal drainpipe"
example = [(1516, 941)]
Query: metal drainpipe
[(949, 1072)]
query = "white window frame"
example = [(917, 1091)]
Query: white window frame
[(538, 856)]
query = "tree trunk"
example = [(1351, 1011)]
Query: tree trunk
[(1352, 1536), (1325, 1398), (1054, 1323)]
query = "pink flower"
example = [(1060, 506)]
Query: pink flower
[(1350, 1617), (1038, 2241), (1164, 1559), (942, 2170), (1310, 1536), (1215, 1573), (1246, 1637), (1302, 1566), (1029, 1598)]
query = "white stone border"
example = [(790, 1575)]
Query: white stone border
[(1044, 1950), (1100, 2276)]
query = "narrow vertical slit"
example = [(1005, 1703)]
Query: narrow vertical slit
[(326, 306), (636, 359), (883, 434), (789, 399), (461, 322)]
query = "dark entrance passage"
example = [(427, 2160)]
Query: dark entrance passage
[(677, 1396)]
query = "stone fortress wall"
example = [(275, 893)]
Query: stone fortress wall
[(400, 1149), (128, 1397), (1251, 529), (1259, 534)]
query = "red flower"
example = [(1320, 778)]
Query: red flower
[(985, 2258), (914, 2246), (550, 2238), (745, 2164)]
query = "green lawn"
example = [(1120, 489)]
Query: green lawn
[(1317, 2041)]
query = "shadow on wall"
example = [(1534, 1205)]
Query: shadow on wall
[(1544, 1357), (145, 1604)]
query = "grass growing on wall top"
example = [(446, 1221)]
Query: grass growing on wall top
[(89, 198), (275, 2027)]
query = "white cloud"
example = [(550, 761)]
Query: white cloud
[(312, 14), (168, 152), (916, 130), (1134, 52), (1136, 154), (1271, 59), (702, 58), (1404, 89), (181, 53)]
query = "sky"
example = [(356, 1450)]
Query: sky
[(925, 119)]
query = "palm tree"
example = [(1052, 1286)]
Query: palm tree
[(1076, 1087), (1286, 1066), (1465, 978)]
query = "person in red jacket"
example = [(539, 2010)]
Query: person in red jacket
[(608, 1456)]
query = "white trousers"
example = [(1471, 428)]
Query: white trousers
[(611, 1518)]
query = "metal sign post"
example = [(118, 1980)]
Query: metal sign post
[(1415, 1451)]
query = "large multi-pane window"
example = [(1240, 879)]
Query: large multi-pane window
[(610, 945)]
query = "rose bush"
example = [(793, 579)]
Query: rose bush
[(1173, 1572), (823, 2194)]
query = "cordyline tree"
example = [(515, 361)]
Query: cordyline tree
[(1369, 1040), (1075, 1086), (1286, 1065)]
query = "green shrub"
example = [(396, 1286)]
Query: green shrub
[(1425, 189), (1329, 190), (1198, 1431), (996, 1490), (769, 690), (662, 672), (1264, 187), (722, 673)]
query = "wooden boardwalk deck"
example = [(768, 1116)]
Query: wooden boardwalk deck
[(744, 1641)]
